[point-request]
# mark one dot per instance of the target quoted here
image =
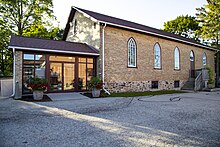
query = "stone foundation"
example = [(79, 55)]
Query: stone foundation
[(140, 86)]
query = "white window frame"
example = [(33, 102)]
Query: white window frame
[(132, 53), (157, 56), (204, 59), (176, 58)]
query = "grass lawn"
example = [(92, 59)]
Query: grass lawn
[(133, 94)]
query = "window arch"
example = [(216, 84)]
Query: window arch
[(204, 59), (157, 56), (132, 51), (176, 58), (192, 56)]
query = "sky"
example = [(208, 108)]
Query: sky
[(151, 13)]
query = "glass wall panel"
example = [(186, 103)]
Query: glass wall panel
[(56, 76), (69, 78), (62, 58), (82, 60), (28, 73), (89, 72), (82, 77), (90, 60), (28, 56)]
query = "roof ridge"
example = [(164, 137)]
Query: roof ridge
[(140, 27)]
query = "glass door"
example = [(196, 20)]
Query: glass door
[(69, 76), (56, 79)]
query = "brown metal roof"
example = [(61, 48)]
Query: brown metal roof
[(28, 43), (130, 25)]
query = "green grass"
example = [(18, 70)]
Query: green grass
[(147, 93)]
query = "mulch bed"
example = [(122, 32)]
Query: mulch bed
[(29, 98)]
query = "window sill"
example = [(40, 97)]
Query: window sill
[(157, 68), (177, 69), (131, 66)]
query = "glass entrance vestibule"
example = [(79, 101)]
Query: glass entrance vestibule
[(62, 72)]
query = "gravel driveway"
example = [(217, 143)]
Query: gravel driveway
[(190, 119)]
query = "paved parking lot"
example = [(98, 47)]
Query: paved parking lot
[(190, 119)]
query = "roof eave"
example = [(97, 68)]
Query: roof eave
[(156, 34), (54, 51)]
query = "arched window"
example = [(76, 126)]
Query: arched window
[(204, 59), (157, 57), (132, 50), (191, 56), (176, 58)]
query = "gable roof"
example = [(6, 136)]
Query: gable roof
[(109, 20), (36, 44)]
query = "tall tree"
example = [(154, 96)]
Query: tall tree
[(27, 18), (209, 18), (22, 14), (185, 26)]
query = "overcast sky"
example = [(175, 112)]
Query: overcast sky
[(151, 13)]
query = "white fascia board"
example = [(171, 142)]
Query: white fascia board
[(54, 51), (159, 35)]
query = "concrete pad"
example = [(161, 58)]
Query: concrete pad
[(66, 96)]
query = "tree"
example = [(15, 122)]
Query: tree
[(22, 14), (27, 18), (185, 26), (209, 18)]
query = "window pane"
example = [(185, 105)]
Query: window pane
[(62, 58), (56, 76), (28, 56), (176, 59), (28, 73), (131, 53), (157, 63), (39, 57), (82, 76), (89, 60), (40, 69), (191, 56), (204, 59), (82, 60)]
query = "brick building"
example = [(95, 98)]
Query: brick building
[(128, 56)]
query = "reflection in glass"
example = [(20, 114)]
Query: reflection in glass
[(40, 69), (62, 58), (157, 63), (82, 76), (28, 56), (28, 73), (55, 76), (176, 58), (204, 59), (90, 60), (69, 76), (82, 60), (39, 57)]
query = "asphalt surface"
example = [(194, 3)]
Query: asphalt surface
[(190, 119)]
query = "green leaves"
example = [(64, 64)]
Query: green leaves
[(209, 18), (27, 18), (185, 26)]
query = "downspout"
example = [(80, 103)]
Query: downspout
[(14, 72), (103, 58)]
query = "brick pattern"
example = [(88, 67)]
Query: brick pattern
[(137, 79), (18, 69)]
